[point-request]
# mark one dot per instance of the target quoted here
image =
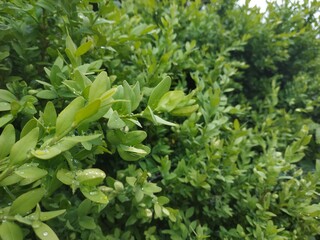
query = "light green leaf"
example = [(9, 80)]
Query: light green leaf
[(86, 112), (115, 122), (90, 177), (94, 194), (46, 153), (49, 115), (134, 137), (10, 231), (87, 222), (43, 231), (26, 202), (159, 91), (7, 139), (47, 94), (10, 180), (85, 47), (150, 188), (32, 172), (31, 124), (5, 119), (65, 176), (98, 87), (170, 101), (19, 151), (66, 117), (70, 45), (45, 216), (185, 111), (4, 106), (133, 153), (7, 96)]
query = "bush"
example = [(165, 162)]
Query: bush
[(159, 120)]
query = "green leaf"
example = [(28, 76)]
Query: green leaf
[(66, 143), (49, 115), (94, 194), (150, 188), (133, 153), (90, 177), (170, 101), (7, 96), (87, 222), (47, 94), (10, 231), (115, 122), (5, 119), (158, 92), (85, 47), (10, 180), (7, 139), (43, 231), (31, 124), (184, 111), (47, 152), (65, 176), (70, 45), (134, 137), (26, 202), (4, 106), (45, 216), (66, 117), (86, 112), (98, 87), (31, 172), (20, 150)]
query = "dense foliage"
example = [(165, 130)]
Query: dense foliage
[(152, 119)]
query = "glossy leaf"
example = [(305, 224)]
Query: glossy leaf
[(94, 194), (31, 172), (90, 176), (43, 231)]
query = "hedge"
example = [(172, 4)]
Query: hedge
[(153, 119)]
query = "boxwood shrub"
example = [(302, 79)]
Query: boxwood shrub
[(153, 119)]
